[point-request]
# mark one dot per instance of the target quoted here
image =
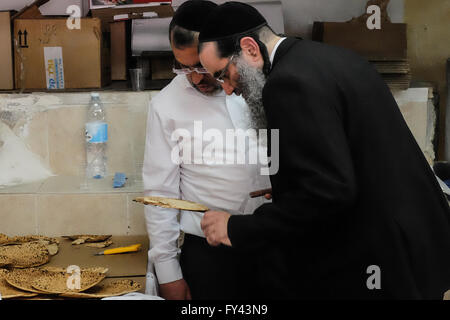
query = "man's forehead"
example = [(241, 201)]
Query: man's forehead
[(187, 56), (209, 49), (190, 63), (210, 58)]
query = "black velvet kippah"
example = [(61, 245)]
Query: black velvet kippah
[(230, 19), (191, 14)]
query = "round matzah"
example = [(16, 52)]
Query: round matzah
[(9, 292), (172, 203), (55, 282), (23, 239), (112, 289), (26, 255), (23, 278), (5, 240)]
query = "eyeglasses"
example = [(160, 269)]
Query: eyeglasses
[(188, 71), (221, 75), (178, 68)]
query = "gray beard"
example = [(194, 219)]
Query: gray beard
[(251, 83)]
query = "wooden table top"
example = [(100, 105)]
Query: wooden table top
[(132, 264)]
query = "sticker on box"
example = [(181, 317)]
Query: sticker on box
[(54, 67)]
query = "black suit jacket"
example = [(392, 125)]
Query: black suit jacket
[(353, 189)]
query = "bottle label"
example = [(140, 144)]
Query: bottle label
[(96, 132)]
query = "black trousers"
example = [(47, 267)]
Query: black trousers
[(218, 273)]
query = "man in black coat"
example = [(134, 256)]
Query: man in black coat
[(357, 211)]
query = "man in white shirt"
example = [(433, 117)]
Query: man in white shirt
[(187, 118)]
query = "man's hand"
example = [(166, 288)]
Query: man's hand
[(214, 225), (176, 290)]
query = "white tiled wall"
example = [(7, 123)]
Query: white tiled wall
[(51, 125)]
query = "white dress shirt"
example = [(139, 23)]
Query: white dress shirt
[(218, 186), (272, 55)]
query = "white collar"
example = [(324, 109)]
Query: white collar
[(272, 56)]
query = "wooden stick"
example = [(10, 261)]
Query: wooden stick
[(260, 193)]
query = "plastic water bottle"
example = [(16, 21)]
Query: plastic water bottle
[(96, 138)]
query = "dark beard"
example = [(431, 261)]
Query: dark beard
[(216, 90), (251, 83), (212, 93)]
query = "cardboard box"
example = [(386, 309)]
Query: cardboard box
[(109, 15), (161, 68), (120, 49), (388, 43), (52, 8), (6, 54), (59, 7), (30, 12), (49, 55)]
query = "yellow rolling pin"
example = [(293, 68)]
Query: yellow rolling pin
[(132, 248)]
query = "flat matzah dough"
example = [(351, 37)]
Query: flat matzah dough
[(9, 292), (103, 244), (78, 241), (96, 269), (23, 239), (26, 255), (82, 238), (52, 248), (5, 240), (115, 288), (172, 203), (53, 282), (23, 278)]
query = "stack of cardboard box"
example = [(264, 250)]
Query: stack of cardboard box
[(52, 52), (6, 57), (385, 48), (55, 53), (373, 36)]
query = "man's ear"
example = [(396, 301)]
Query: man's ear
[(250, 48)]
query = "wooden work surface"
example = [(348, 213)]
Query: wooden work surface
[(133, 264)]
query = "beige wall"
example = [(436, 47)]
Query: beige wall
[(299, 15), (429, 48), (51, 126)]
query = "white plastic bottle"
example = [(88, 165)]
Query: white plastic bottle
[(96, 138)]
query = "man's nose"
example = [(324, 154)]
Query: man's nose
[(196, 77), (227, 87)]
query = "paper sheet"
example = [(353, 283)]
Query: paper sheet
[(150, 35)]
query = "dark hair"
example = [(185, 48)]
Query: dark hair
[(181, 37)]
